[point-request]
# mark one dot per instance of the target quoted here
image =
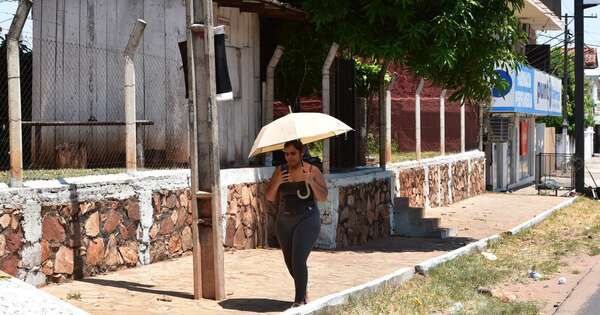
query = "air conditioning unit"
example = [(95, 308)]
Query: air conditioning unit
[(499, 129)]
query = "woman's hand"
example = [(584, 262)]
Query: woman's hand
[(277, 179), (316, 181)]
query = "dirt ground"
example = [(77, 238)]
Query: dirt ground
[(549, 292), (257, 280)]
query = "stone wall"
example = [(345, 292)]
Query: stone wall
[(363, 213), (88, 238), (412, 186), (250, 218), (171, 232), (477, 177), (11, 240), (441, 181)]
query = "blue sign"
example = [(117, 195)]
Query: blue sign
[(530, 91), (498, 91)]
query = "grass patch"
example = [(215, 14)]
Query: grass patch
[(60, 173), (541, 249)]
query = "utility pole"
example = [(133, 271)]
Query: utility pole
[(204, 153), (565, 78), (579, 112)]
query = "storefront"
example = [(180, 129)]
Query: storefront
[(511, 129)]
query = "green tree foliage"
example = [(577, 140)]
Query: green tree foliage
[(299, 70), (557, 70), (367, 77), (453, 43)]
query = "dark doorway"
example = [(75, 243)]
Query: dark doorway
[(344, 148)]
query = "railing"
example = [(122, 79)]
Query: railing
[(556, 171)]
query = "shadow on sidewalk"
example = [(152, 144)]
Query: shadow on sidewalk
[(255, 305), (138, 287), (395, 244)]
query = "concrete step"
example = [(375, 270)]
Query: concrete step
[(430, 224), (443, 233)]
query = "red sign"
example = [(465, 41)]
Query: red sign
[(524, 130)]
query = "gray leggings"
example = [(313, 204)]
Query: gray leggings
[(297, 234)]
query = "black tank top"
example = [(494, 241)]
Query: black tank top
[(289, 200)]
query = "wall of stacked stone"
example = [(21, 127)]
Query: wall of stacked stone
[(83, 239), (11, 240), (440, 181), (171, 231), (51, 231), (364, 213), (250, 218)]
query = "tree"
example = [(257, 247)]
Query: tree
[(557, 70), (456, 44)]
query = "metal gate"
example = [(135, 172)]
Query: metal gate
[(344, 149)]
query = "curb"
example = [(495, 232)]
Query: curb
[(425, 266), (540, 217), (320, 305), (20, 298)]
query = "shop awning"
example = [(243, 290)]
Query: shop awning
[(529, 91), (539, 16)]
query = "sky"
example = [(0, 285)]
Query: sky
[(591, 27), (7, 11)]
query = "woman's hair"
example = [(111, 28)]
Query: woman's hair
[(296, 144)]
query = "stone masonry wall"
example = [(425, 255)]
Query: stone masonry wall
[(89, 238), (440, 183), (477, 177), (411, 186), (250, 218), (460, 175), (363, 213), (171, 232), (11, 240)]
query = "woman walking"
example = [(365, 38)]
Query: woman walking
[(299, 186)]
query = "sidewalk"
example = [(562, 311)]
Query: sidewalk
[(257, 280)]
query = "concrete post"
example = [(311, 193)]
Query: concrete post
[(326, 103), (418, 118), (462, 126), (443, 122), (14, 93), (129, 93), (270, 93)]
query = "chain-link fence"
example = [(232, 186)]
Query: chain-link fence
[(73, 112)]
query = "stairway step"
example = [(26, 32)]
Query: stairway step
[(431, 224), (444, 233), (401, 202)]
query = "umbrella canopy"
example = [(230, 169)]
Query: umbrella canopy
[(306, 127)]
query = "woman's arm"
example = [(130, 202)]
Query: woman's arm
[(317, 182), (274, 185)]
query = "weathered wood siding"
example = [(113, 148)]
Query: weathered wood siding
[(78, 73)]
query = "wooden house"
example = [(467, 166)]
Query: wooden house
[(78, 76)]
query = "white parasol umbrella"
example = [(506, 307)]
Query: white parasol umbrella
[(306, 127)]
